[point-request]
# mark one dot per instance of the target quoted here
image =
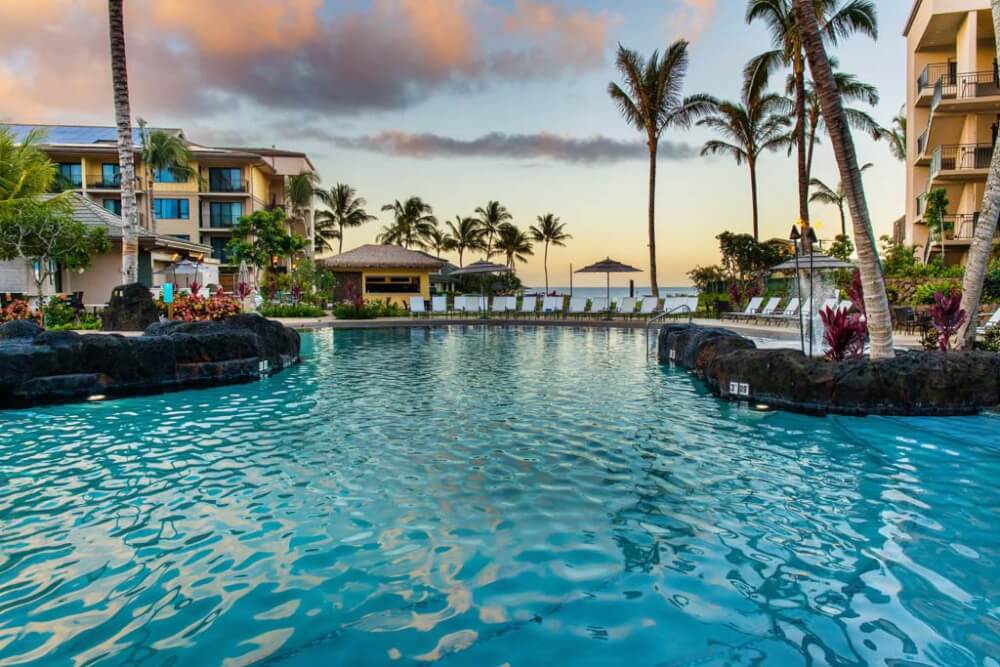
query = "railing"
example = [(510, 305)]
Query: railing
[(941, 90), (921, 203), (977, 84), (922, 142), (961, 157), (105, 184), (932, 74), (224, 186), (662, 316), (223, 221)]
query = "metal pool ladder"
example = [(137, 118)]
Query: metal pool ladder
[(662, 316)]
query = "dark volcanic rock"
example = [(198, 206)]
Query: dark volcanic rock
[(913, 383), (45, 366), (19, 329), (131, 308)]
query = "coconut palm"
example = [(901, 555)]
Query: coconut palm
[(981, 250), (413, 221), (549, 230), (123, 120), (837, 19), (651, 102), (344, 209), (896, 136), (749, 128), (873, 282), (25, 170), (439, 241), (492, 217), (824, 194), (299, 193), (162, 151), (513, 244), (466, 234)]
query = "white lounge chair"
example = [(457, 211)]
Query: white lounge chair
[(529, 305), (992, 323), (769, 308), (499, 305), (747, 312), (626, 306), (599, 305), (786, 316), (832, 304), (459, 305), (577, 306), (439, 305), (417, 306), (650, 306), (845, 305), (553, 305)]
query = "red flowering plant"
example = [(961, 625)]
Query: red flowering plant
[(191, 308), (844, 334), (18, 309), (947, 316), (195, 287)]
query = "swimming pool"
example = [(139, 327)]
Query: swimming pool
[(488, 496)]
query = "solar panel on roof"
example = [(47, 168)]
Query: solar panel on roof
[(73, 134)]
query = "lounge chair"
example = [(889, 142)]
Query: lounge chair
[(417, 306), (789, 314), (577, 306), (439, 305), (599, 305), (459, 305), (991, 323), (747, 312), (769, 308), (845, 305), (499, 305), (553, 305), (626, 307), (529, 305), (832, 304), (650, 306)]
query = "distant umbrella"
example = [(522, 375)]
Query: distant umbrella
[(184, 267), (607, 267), (481, 268)]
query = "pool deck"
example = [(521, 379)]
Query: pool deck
[(776, 333)]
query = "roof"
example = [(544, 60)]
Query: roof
[(371, 256), (83, 135), (912, 16), (818, 262)]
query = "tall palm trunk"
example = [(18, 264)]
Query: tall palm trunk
[(800, 137), (981, 250), (843, 219), (653, 284), (545, 263), (340, 241), (876, 301), (123, 119), (752, 163)]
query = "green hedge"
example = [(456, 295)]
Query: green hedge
[(291, 310)]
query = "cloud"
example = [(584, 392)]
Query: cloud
[(690, 18), (591, 150), (332, 57)]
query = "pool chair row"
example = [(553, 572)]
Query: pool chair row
[(552, 306), (772, 312), (992, 323)]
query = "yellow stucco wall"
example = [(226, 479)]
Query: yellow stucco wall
[(260, 185), (402, 299), (98, 279)]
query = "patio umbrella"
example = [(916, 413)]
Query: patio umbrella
[(481, 268), (184, 267), (244, 273), (607, 267)]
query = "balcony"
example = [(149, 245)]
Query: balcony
[(960, 161), (965, 89), (222, 222), (960, 229), (922, 142), (225, 187), (928, 79)]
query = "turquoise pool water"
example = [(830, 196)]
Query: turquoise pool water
[(489, 497)]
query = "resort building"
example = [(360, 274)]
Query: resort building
[(227, 184), (383, 272), (953, 115)]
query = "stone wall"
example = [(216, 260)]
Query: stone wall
[(914, 383), (38, 366)]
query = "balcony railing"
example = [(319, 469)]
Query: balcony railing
[(225, 186), (932, 73), (966, 86), (961, 157), (922, 142), (223, 221), (105, 183), (921, 203)]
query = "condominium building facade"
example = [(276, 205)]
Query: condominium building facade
[(953, 116), (227, 183)]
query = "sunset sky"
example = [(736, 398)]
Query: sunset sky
[(458, 101)]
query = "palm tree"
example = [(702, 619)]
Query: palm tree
[(299, 193), (837, 19), (514, 244), (466, 234), (896, 136), (161, 152), (981, 251), (25, 170), (749, 127), (824, 194), (123, 119), (439, 241), (651, 102), (492, 217), (413, 221), (344, 208), (873, 282), (549, 230)]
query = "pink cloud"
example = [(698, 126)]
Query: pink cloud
[(689, 19)]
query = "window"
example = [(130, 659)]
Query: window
[(71, 172), (219, 249), (110, 175), (171, 209), (392, 284), (224, 213), (113, 205), (166, 176), (180, 237), (225, 179)]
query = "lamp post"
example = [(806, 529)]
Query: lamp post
[(811, 237), (794, 237)]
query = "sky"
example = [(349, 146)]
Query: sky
[(456, 101)]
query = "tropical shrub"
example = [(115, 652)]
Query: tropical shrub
[(927, 293), (991, 340), (58, 313), (842, 248), (86, 322), (19, 309), (948, 316), (291, 310), (844, 334), (191, 308)]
